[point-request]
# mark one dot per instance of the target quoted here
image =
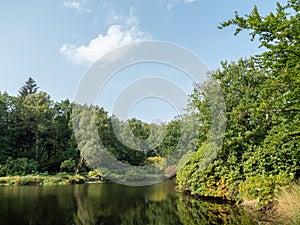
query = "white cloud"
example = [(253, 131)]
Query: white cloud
[(117, 35), (76, 4)]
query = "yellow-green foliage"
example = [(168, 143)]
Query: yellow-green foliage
[(10, 180), (95, 176), (60, 179), (262, 188), (204, 182), (157, 161), (76, 179), (54, 180)]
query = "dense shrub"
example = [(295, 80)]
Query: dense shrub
[(19, 166)]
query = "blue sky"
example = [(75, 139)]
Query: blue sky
[(56, 41)]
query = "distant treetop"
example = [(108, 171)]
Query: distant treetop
[(30, 87)]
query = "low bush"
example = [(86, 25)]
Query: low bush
[(19, 166), (30, 180), (76, 179), (262, 188)]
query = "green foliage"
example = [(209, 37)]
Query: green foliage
[(260, 151), (157, 161), (262, 188), (35, 128), (30, 180), (19, 166), (63, 175), (68, 165), (134, 175), (139, 129), (76, 179), (55, 180), (171, 138), (59, 179), (95, 175)]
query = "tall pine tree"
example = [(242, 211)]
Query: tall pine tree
[(30, 87)]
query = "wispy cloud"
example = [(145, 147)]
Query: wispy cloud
[(78, 5), (128, 20), (171, 4), (118, 34), (188, 1)]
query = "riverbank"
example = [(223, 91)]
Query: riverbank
[(58, 179), (282, 206), (286, 207)]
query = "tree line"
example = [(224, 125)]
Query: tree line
[(37, 135)]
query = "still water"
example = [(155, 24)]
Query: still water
[(111, 204)]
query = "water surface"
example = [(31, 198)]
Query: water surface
[(111, 204)]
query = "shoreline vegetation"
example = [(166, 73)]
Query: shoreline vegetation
[(49, 180), (283, 207)]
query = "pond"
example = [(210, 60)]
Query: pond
[(111, 204)]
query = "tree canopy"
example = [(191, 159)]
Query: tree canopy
[(262, 139)]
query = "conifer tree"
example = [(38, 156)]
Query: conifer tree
[(30, 87)]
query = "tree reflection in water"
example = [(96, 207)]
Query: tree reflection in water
[(112, 204)]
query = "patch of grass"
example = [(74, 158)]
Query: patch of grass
[(54, 180), (30, 180), (59, 179), (287, 209), (12, 180), (21, 180)]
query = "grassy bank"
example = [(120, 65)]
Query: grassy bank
[(59, 179), (271, 199), (286, 209), (281, 208)]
